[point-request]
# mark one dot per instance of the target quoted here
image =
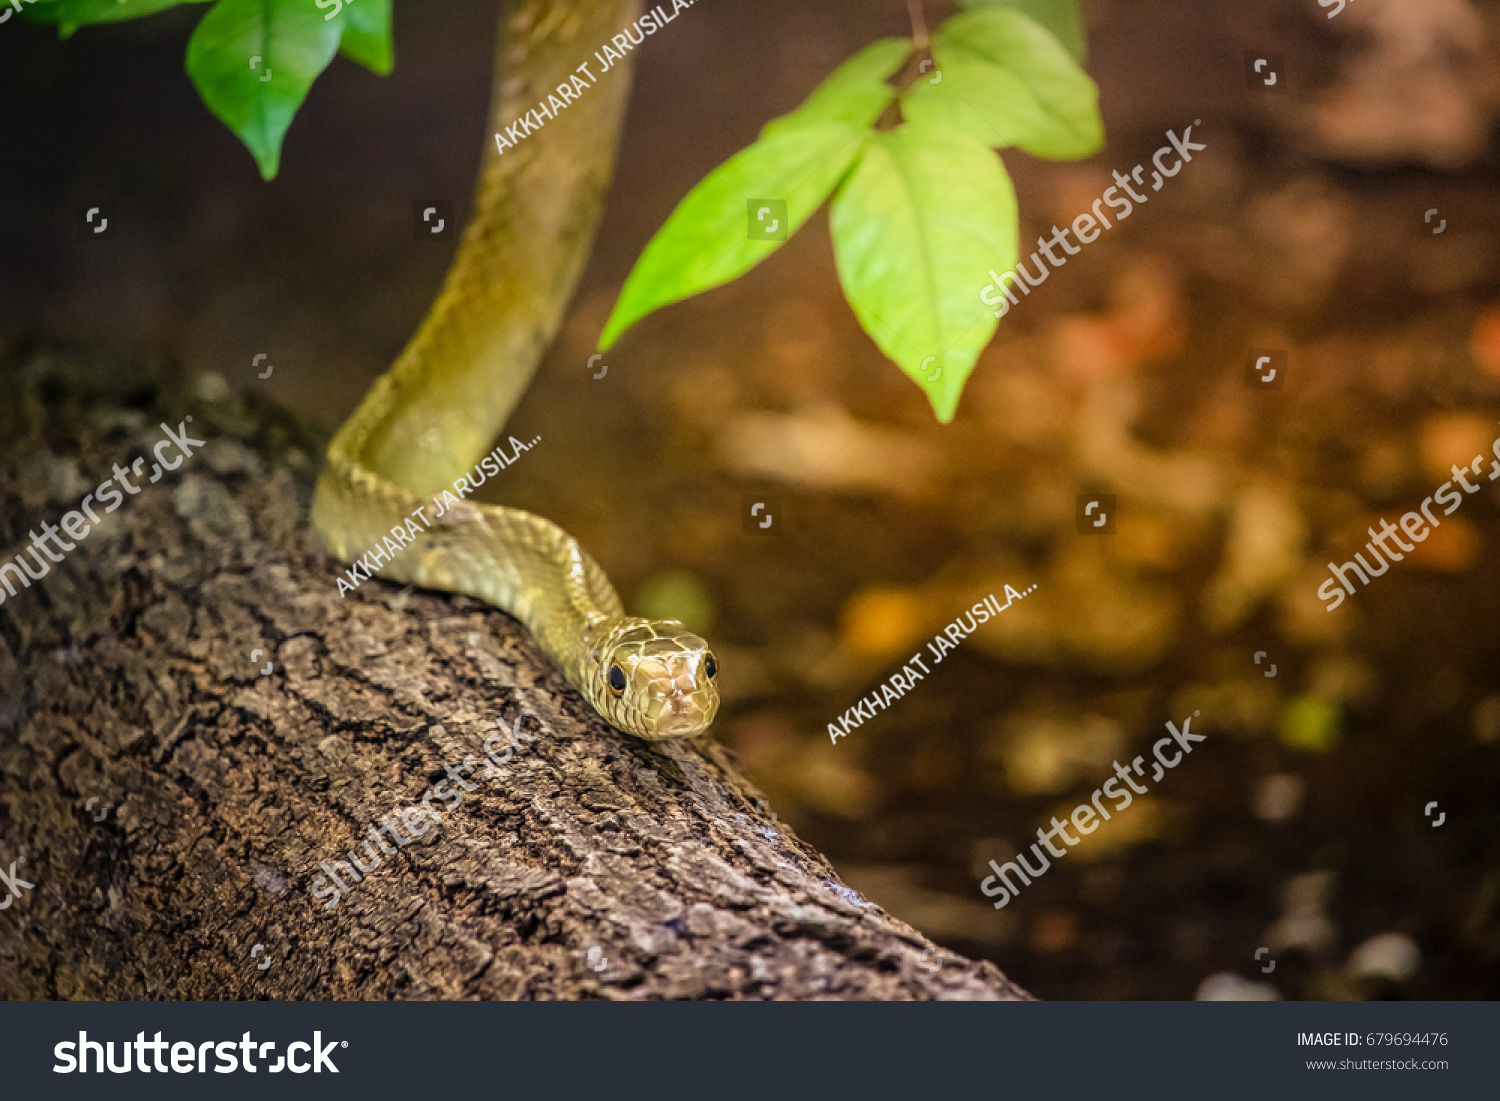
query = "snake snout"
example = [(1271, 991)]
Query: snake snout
[(682, 709)]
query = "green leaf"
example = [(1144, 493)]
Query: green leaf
[(289, 39), (1061, 17), (925, 214), (855, 93), (1006, 80), (976, 96), (707, 240), (72, 14), (367, 34)]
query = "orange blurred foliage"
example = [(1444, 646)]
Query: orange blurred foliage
[(1484, 344)]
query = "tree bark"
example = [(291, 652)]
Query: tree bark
[(587, 864)]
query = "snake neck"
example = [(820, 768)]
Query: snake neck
[(439, 407), (536, 209)]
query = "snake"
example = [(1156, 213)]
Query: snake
[(450, 391)]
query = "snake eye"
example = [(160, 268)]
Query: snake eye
[(711, 666), (617, 680)]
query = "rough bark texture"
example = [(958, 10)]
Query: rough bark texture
[(587, 865)]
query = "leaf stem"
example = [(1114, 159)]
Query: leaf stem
[(918, 24)]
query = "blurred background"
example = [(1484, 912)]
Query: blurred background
[(1299, 825)]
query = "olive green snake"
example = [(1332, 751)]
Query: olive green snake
[(449, 393)]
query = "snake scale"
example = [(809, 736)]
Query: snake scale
[(453, 387)]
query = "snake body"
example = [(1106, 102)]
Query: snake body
[(449, 393)]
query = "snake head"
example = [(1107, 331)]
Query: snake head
[(652, 678)]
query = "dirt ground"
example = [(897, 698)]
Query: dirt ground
[(1299, 826)]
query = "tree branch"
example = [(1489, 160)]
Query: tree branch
[(586, 865)]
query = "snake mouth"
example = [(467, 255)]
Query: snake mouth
[(681, 714)]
